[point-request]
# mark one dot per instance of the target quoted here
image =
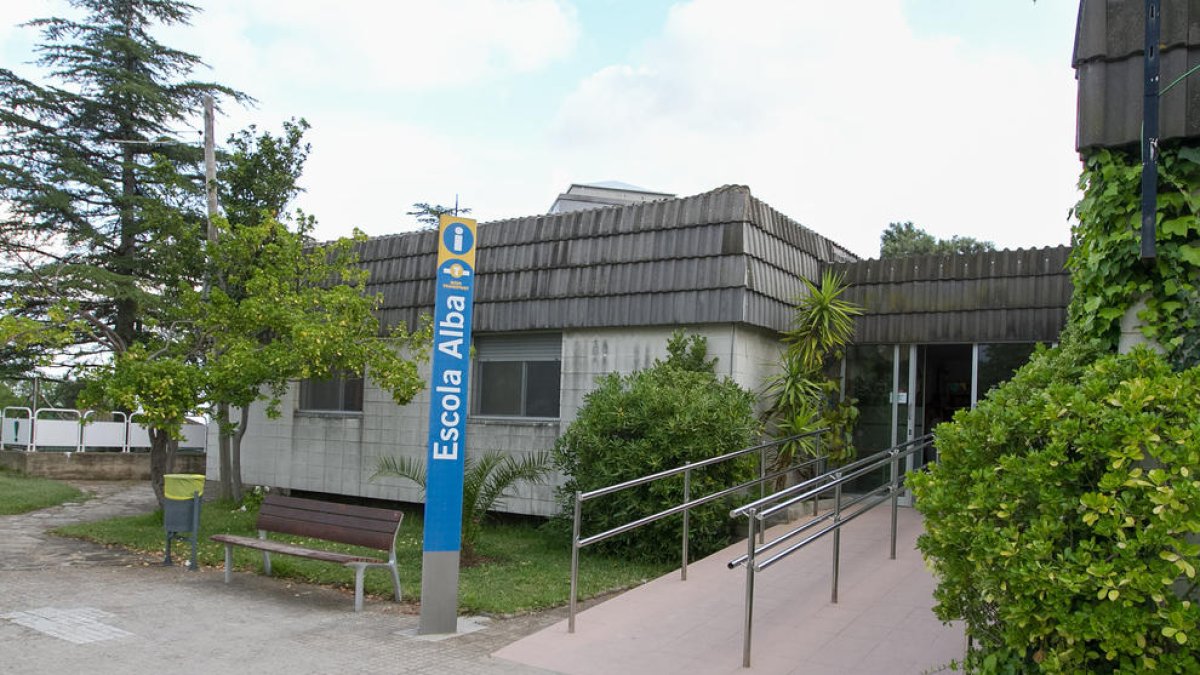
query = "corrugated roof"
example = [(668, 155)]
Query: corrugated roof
[(1109, 40), (1016, 295), (718, 257)]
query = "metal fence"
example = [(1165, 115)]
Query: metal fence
[(80, 431), (832, 481), (686, 504)]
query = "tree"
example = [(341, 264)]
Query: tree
[(905, 239), (299, 312), (486, 480), (103, 211), (429, 215), (803, 396), (256, 181)]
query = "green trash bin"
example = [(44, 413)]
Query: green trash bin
[(181, 511)]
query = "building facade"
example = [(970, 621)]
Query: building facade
[(561, 298)]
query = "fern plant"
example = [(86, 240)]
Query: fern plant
[(486, 480)]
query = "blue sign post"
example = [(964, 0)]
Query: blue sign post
[(446, 448)]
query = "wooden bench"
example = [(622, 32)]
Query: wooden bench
[(340, 523)]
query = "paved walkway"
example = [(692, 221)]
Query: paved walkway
[(71, 606), (882, 624), (26, 545)]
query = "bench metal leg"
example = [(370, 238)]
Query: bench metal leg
[(395, 580), (358, 586), (267, 563), (228, 562)]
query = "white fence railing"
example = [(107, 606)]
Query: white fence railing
[(78, 431)]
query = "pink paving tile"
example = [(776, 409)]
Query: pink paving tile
[(882, 624)]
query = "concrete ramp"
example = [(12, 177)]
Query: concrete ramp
[(883, 622)]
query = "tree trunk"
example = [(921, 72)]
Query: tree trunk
[(236, 451), (224, 453), (159, 443)]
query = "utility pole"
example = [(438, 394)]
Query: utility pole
[(1150, 96), (210, 168)]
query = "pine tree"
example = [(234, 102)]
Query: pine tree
[(102, 205)]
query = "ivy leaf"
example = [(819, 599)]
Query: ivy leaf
[(1179, 226), (1189, 154), (1190, 254)]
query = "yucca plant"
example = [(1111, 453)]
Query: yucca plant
[(803, 397), (486, 479)]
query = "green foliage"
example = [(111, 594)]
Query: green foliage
[(905, 239), (21, 494), (259, 176), (429, 215), (1106, 270), (687, 352), (1061, 516), (648, 421), (486, 480), (103, 210), (804, 397)]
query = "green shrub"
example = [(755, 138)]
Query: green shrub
[(1061, 516), (655, 419)]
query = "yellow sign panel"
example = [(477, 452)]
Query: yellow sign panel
[(456, 242)]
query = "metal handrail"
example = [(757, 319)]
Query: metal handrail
[(758, 511), (685, 507)]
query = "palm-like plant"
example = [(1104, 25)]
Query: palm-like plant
[(802, 395), (486, 479)]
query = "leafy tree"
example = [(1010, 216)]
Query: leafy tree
[(259, 176), (486, 481), (803, 396), (905, 239), (256, 181), (287, 321), (651, 420), (429, 215)]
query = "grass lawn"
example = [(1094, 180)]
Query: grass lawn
[(527, 569), (20, 494)]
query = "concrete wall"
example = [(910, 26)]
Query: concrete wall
[(92, 465), (748, 355), (337, 453)]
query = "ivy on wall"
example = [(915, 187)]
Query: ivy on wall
[(1106, 268)]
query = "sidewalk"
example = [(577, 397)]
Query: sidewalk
[(71, 606)]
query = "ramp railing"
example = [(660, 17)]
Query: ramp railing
[(686, 504), (762, 555)]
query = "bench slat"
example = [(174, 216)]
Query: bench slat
[(300, 503), (343, 523), (385, 525), (291, 549)]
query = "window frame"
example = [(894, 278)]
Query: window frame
[(343, 382), (524, 350)]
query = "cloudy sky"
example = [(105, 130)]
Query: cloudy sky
[(958, 116)]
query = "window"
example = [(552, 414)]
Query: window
[(338, 394), (998, 362), (518, 375)]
